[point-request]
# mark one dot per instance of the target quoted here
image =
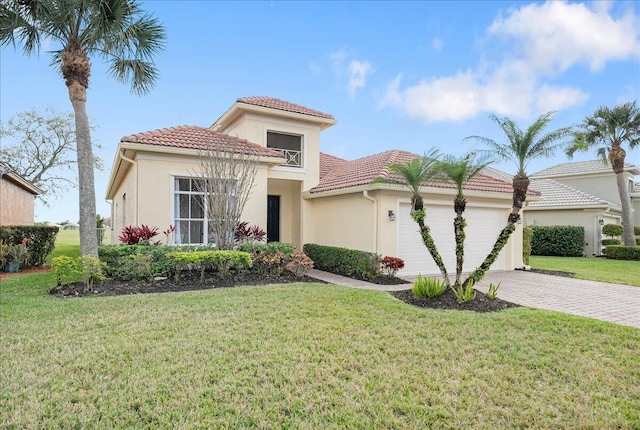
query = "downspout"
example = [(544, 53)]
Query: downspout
[(135, 187), (111, 236), (366, 195)]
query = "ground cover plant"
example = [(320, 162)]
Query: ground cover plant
[(595, 269), (304, 356)]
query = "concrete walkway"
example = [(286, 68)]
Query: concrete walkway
[(614, 303)]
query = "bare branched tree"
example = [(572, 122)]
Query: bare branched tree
[(227, 179), (41, 146)]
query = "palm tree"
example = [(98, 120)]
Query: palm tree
[(521, 147), (460, 170), (609, 129), (414, 175), (116, 30)]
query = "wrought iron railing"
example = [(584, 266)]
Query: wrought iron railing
[(292, 158)]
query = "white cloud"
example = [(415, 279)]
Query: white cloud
[(358, 71), (547, 39), (437, 44), (557, 35)]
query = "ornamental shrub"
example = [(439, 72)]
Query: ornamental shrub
[(299, 264), (607, 242), (620, 252), (428, 287), (389, 266), (557, 240), (636, 230), (40, 240), (342, 261), (612, 230)]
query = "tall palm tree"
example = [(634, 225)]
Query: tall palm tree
[(608, 129), (460, 170), (115, 30), (414, 175), (520, 147)]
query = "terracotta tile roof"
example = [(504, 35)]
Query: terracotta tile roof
[(579, 167), (278, 104), (360, 172), (194, 137), (328, 163), (556, 194)]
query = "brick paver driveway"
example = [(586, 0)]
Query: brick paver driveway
[(619, 304)]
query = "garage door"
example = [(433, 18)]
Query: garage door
[(483, 226)]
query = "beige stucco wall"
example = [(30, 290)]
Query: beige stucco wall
[(353, 221), (578, 217), (149, 188), (16, 204), (254, 128), (603, 185)]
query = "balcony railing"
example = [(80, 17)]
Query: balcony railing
[(292, 158)]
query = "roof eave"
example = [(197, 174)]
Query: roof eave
[(238, 108), (23, 183)]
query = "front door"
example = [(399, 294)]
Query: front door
[(273, 218)]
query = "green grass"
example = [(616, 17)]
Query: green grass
[(594, 269), (68, 243), (304, 356)]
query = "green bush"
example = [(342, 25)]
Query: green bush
[(555, 240), (636, 230), (40, 240), (612, 230), (527, 234), (118, 261), (66, 269), (607, 242), (221, 261), (268, 248), (342, 261), (620, 252)]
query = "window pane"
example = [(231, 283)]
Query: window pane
[(284, 141), (197, 208), (182, 184), (183, 205), (182, 232), (196, 231), (197, 185)]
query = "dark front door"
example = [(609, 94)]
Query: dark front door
[(273, 218)]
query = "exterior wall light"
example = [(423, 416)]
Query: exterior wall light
[(601, 222), (392, 216)]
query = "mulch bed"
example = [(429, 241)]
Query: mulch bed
[(188, 281), (554, 273), (448, 301)]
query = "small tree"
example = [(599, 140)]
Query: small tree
[(226, 178), (40, 146)]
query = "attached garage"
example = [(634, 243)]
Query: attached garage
[(483, 226)]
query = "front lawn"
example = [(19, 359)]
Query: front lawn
[(304, 356), (595, 269)]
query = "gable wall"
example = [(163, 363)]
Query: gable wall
[(601, 185), (16, 204)]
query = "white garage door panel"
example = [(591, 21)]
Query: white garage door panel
[(483, 227)]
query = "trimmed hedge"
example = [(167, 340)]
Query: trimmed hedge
[(607, 242), (621, 252), (119, 259), (636, 230), (557, 240), (267, 248), (342, 261), (41, 240)]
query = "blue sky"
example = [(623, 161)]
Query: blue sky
[(407, 75)]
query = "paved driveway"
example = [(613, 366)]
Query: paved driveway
[(619, 304)]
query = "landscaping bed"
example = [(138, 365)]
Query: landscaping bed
[(188, 281), (448, 301)]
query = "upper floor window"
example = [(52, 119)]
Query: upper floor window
[(290, 145)]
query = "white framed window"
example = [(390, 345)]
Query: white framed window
[(191, 206), (288, 144)]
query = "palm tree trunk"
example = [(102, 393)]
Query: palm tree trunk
[(628, 236), (430, 244), (458, 225), (88, 232)]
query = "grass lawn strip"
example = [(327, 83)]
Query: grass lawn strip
[(304, 356), (595, 269)]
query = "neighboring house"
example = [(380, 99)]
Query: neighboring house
[(17, 198), (582, 194), (302, 195)]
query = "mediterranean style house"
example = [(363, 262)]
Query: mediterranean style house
[(17, 198), (583, 194), (302, 195)]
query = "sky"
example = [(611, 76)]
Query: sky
[(395, 75)]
